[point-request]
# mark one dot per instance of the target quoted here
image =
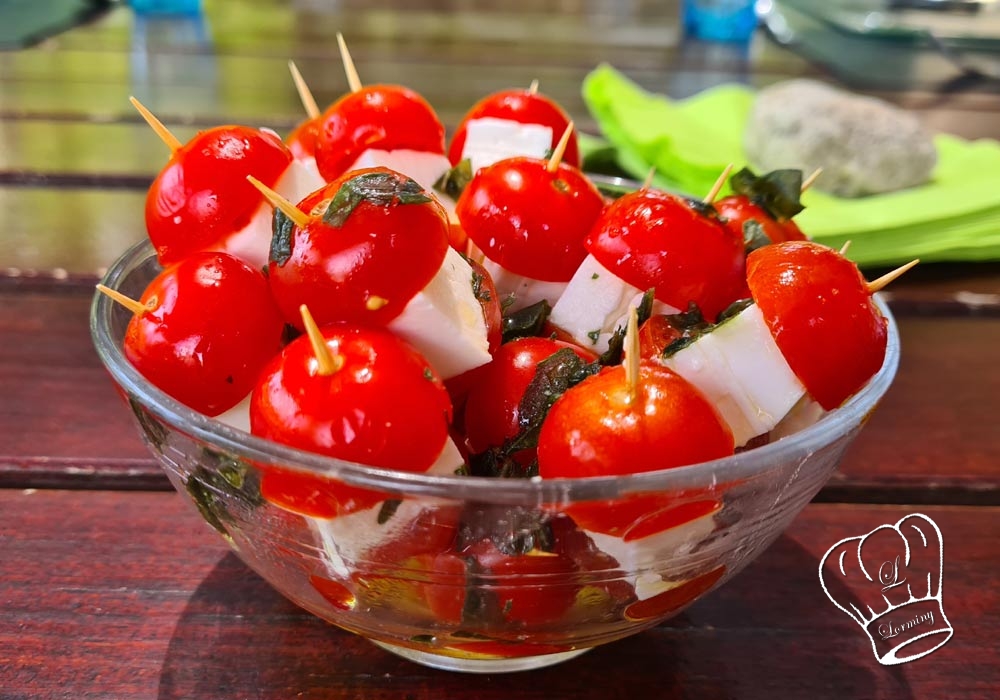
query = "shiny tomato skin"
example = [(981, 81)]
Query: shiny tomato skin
[(818, 308), (491, 408), (528, 220), (384, 253), (655, 335), (202, 195), (355, 414), (734, 210), (525, 107), (386, 117), (200, 342), (593, 429), (302, 141), (654, 239)]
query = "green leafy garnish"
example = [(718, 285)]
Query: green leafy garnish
[(529, 321), (454, 180), (479, 289), (777, 192), (282, 228), (753, 236), (388, 509), (382, 189), (220, 482)]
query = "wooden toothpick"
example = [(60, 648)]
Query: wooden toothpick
[(717, 187), (533, 88), (632, 355), (648, 182), (881, 282), (560, 149), (136, 307), (353, 81), (809, 181), (328, 362), (843, 248), (305, 94), (278, 202), (173, 143)]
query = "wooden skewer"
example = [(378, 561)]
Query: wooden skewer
[(809, 181), (881, 282), (717, 187), (560, 150), (305, 94), (173, 143), (279, 202), (136, 307), (632, 355), (353, 81), (843, 248), (327, 361), (533, 88), (648, 182)]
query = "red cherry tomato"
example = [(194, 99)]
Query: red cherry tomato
[(595, 430), (367, 269), (525, 107), (386, 117), (655, 335), (489, 300), (202, 195), (302, 141), (653, 239), (529, 220), (736, 210), (354, 414), (210, 329), (491, 410), (818, 308)]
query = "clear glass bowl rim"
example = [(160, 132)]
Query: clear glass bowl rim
[(525, 492)]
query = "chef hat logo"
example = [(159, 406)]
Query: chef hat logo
[(895, 573)]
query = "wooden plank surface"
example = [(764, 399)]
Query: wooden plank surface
[(113, 595), (933, 438)]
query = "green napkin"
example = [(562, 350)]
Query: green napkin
[(955, 216)]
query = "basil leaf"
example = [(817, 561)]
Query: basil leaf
[(282, 229), (529, 321), (616, 345), (753, 236), (776, 192), (454, 180), (382, 189)]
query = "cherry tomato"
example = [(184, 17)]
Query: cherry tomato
[(594, 429), (489, 300), (202, 195), (529, 220), (653, 239), (736, 210), (210, 329), (818, 308), (391, 241), (491, 410), (302, 141), (354, 414), (386, 117), (525, 107), (655, 335)]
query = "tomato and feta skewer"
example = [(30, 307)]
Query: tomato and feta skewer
[(203, 330), (529, 218), (372, 248), (201, 200), (336, 392), (632, 418), (650, 239), (512, 123), (811, 333), (760, 210)]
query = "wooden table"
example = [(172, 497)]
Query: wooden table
[(111, 587)]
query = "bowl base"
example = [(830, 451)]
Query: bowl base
[(480, 665)]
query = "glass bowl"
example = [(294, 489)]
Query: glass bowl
[(472, 573)]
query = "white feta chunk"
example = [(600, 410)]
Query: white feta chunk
[(740, 369), (489, 140), (595, 303), (523, 291), (444, 321)]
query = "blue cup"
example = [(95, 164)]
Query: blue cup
[(719, 20)]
